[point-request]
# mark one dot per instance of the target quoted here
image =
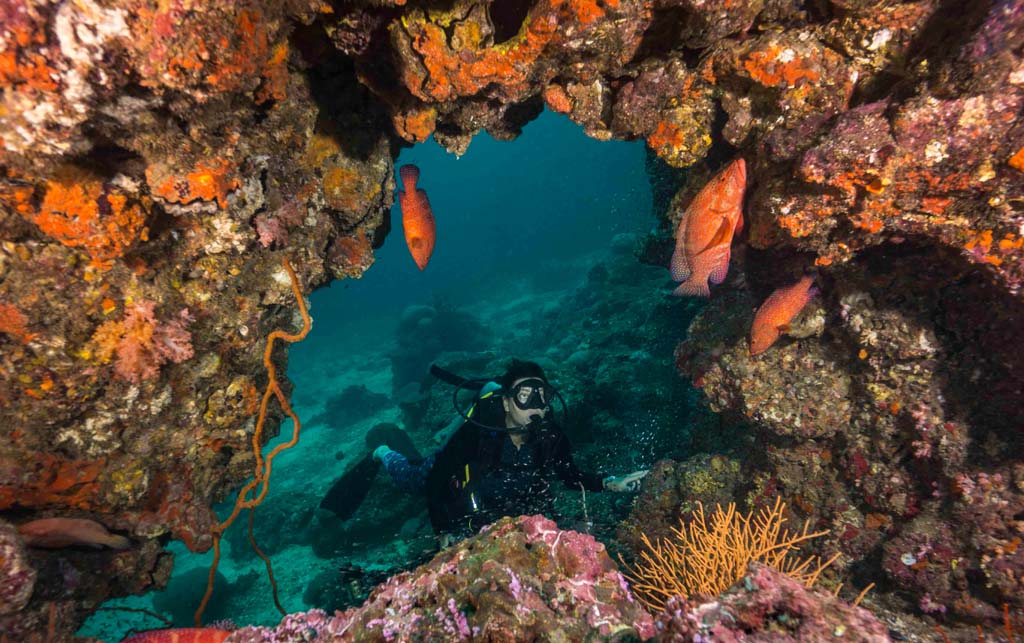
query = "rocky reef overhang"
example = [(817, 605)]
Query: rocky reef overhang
[(160, 159)]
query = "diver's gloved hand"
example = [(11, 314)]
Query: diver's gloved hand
[(628, 482), (380, 452)]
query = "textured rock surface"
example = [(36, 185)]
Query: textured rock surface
[(881, 416), (18, 576), (158, 160), (766, 605), (519, 579), (443, 601)]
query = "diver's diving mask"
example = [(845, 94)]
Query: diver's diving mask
[(532, 393)]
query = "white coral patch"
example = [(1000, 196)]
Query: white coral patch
[(226, 236), (935, 151), (879, 40)]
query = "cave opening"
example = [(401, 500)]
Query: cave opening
[(537, 256)]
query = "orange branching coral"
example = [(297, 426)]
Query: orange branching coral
[(707, 557), (82, 211), (261, 475)]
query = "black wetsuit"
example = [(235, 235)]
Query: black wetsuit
[(480, 476)]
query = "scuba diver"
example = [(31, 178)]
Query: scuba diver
[(499, 462)]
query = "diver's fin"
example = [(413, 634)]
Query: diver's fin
[(349, 491), (395, 438)]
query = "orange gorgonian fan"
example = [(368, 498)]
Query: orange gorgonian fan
[(711, 553)]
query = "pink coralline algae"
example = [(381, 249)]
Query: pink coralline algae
[(519, 579), (766, 605)]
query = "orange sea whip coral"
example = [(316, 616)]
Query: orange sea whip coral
[(261, 475), (708, 558)]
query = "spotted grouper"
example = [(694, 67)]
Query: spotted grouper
[(417, 217), (705, 232), (774, 315)]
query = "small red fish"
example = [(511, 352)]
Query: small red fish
[(777, 311), (705, 232), (181, 635), (53, 533), (417, 218)]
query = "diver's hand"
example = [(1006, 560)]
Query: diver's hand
[(628, 482)]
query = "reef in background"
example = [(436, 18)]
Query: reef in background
[(158, 161)]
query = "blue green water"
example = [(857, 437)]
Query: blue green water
[(526, 243)]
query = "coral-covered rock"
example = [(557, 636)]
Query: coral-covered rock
[(672, 490), (794, 389), (671, 107), (505, 55), (766, 605), (883, 474), (17, 576), (519, 579), (780, 80)]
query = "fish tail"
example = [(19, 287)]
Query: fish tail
[(693, 287), (410, 175)]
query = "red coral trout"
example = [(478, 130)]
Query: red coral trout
[(705, 232), (64, 532), (417, 218), (182, 635), (777, 311)]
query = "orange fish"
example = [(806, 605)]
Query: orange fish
[(704, 236), (417, 218), (180, 635), (777, 311), (53, 533)]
